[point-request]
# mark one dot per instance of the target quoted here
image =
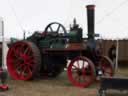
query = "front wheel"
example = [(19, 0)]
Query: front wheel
[(81, 72)]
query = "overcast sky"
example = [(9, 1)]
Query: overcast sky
[(111, 20)]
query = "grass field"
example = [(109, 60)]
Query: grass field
[(59, 86)]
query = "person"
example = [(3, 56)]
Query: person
[(3, 77), (112, 52)]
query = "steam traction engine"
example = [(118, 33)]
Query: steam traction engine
[(47, 53)]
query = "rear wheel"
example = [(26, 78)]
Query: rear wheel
[(23, 60)]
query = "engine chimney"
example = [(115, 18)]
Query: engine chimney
[(90, 21)]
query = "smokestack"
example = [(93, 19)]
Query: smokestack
[(90, 21)]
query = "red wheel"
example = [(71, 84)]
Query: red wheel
[(23, 60), (106, 66), (81, 72)]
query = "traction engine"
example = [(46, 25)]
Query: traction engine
[(46, 54)]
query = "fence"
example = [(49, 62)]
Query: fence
[(122, 50)]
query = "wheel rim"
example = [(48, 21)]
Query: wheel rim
[(106, 66), (21, 61), (81, 75)]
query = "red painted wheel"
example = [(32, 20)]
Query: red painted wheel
[(81, 72), (23, 60), (106, 66)]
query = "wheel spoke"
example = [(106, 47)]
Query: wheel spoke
[(30, 64), (17, 60), (109, 71), (27, 51), (14, 52), (22, 48), (21, 73), (25, 68), (19, 66), (77, 78), (51, 29), (18, 51), (26, 72), (83, 65), (58, 28), (29, 71), (75, 67), (78, 64), (88, 78), (83, 72), (30, 58)]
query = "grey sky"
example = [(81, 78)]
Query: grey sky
[(30, 15)]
